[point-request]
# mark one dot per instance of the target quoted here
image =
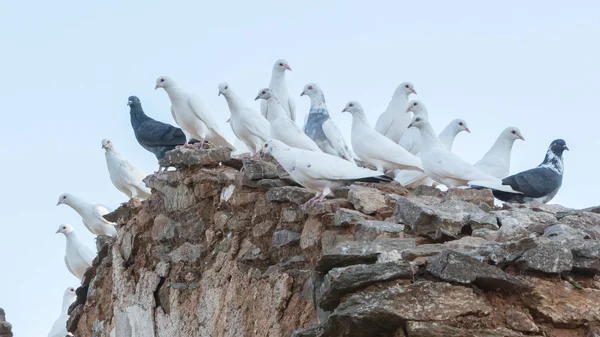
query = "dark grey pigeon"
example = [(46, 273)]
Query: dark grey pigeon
[(154, 136), (539, 184), (320, 127)]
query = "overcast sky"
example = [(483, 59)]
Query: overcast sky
[(68, 67)]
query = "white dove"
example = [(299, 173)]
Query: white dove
[(411, 137), (443, 166), (191, 115), (91, 215), (247, 124), (393, 122), (282, 128), (318, 171), (376, 149), (126, 177), (78, 257), (448, 135), (496, 161), (59, 328), (321, 128), (279, 88)]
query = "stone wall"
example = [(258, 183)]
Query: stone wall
[(5, 327), (227, 250)]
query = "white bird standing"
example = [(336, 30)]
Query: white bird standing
[(413, 179), (394, 121), (496, 161), (126, 177), (321, 128), (78, 257), (247, 124), (411, 138), (282, 128), (448, 135), (374, 148), (91, 215), (443, 166), (59, 328), (191, 115), (279, 88), (318, 171)]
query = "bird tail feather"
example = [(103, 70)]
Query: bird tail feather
[(493, 185)]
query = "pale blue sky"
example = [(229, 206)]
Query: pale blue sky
[(68, 67)]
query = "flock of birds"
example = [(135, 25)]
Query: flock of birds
[(403, 146)]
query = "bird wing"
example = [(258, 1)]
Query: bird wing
[(535, 183), (173, 114), (86, 254), (204, 115), (378, 147), (154, 133), (264, 108), (323, 166), (285, 130), (130, 173), (257, 124), (384, 122), (68, 266), (99, 211), (336, 140), (410, 140), (449, 165), (292, 108)]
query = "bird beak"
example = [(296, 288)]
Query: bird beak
[(566, 148), (58, 203), (227, 121), (345, 110), (411, 125), (257, 97), (220, 93), (467, 129), (103, 147), (409, 109), (303, 93), (156, 87), (413, 91), (521, 137), (57, 231), (288, 68)]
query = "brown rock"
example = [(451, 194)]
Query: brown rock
[(5, 327), (296, 195), (311, 233), (195, 156), (346, 217), (436, 329), (484, 196), (366, 200), (520, 321), (368, 230)]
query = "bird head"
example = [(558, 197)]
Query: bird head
[(353, 107), (223, 88), (310, 90), (513, 133), (107, 144), (418, 122), (558, 147), (281, 66), (272, 145), (64, 229), (461, 125), (133, 101), (405, 89), (265, 94), (163, 82), (417, 107), (63, 199), (69, 292)]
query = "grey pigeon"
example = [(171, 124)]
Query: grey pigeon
[(154, 136), (320, 127), (539, 184)]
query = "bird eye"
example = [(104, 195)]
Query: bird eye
[(264, 92), (350, 105), (72, 289), (514, 132), (461, 123), (281, 64), (225, 87), (64, 196), (162, 79), (64, 227), (406, 86), (266, 146), (418, 120), (415, 104), (310, 87)]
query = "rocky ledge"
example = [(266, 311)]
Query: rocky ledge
[(5, 327), (223, 248)]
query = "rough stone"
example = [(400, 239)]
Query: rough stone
[(547, 257), (5, 327), (563, 304), (345, 217), (455, 267), (520, 321), (311, 233), (293, 194), (366, 200), (312, 331), (285, 238), (195, 156), (511, 230), (368, 230), (341, 281), (484, 196), (367, 313), (436, 329), (258, 169)]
